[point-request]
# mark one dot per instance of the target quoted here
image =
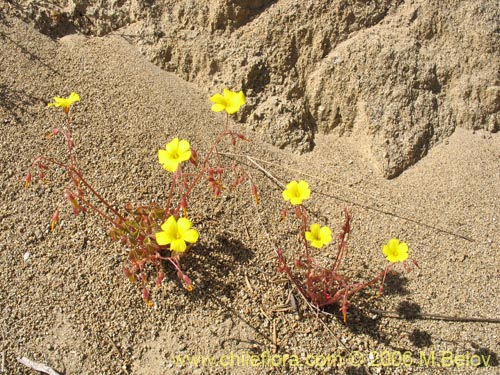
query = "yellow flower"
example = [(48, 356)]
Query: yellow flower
[(319, 236), (230, 102), (65, 103), (175, 153), (395, 251), (296, 192), (177, 233)]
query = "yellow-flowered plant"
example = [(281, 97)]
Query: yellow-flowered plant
[(176, 233), (318, 236), (153, 235), (323, 284), (174, 154), (395, 251), (65, 103), (296, 192), (230, 101)]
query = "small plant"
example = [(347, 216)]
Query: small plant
[(326, 285), (156, 235), (152, 234)]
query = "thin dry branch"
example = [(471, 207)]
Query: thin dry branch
[(422, 223), (423, 316), (40, 367)]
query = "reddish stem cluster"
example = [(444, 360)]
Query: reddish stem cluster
[(136, 228), (322, 285)]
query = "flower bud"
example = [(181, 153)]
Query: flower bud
[(27, 180), (255, 194), (76, 209), (216, 190), (55, 218), (145, 297), (74, 204), (242, 137), (381, 289), (183, 205), (344, 312), (159, 278), (53, 133), (194, 158), (129, 275), (188, 283), (283, 214), (298, 263)]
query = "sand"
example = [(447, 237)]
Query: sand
[(66, 303)]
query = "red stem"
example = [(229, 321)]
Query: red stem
[(204, 167), (103, 215), (103, 201)]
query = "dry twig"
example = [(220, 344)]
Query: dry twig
[(40, 367)]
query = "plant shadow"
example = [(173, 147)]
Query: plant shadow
[(486, 355), (212, 267), (419, 338), (15, 104), (396, 283)]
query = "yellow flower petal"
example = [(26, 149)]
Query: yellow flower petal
[(303, 187), (403, 251), (183, 224), (178, 245), (175, 152), (72, 98), (162, 238), (296, 192), (326, 234), (218, 99), (191, 236), (169, 227), (184, 147), (176, 233), (173, 146), (218, 107), (318, 236), (395, 251), (170, 165), (162, 156), (230, 101), (286, 195), (235, 101), (65, 103)]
